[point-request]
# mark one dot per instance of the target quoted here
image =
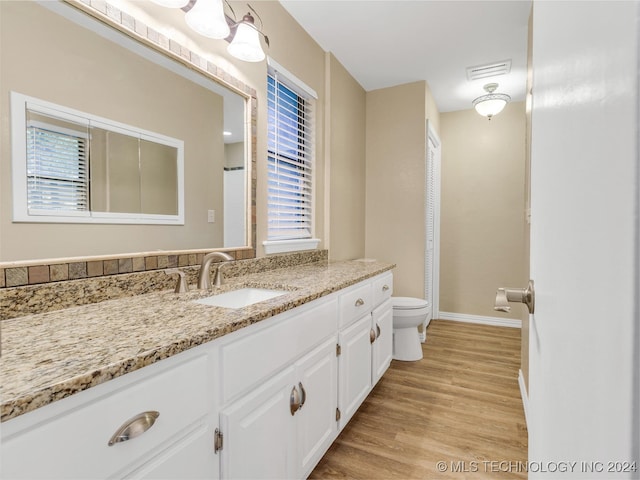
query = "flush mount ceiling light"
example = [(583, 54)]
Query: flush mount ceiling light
[(492, 103), (207, 17)]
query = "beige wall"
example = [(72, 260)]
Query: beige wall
[(346, 133), (395, 180), (482, 211)]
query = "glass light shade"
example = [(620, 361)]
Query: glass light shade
[(491, 104), (171, 3), (207, 18), (246, 44)]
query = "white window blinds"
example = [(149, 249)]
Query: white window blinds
[(57, 169), (290, 161)]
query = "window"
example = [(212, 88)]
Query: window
[(57, 170), (74, 167), (290, 163)]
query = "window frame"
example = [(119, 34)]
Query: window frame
[(19, 105), (291, 82)]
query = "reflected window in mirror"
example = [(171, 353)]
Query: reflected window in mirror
[(74, 167)]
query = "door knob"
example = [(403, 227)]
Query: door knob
[(520, 295)]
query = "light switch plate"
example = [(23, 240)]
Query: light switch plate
[(211, 216)]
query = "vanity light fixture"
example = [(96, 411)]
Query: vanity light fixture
[(171, 3), (492, 103), (207, 17), (246, 41)]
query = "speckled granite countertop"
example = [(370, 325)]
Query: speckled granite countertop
[(49, 356)]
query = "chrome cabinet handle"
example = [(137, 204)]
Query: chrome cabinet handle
[(294, 401), (359, 302), (385, 288), (378, 332), (134, 427), (372, 335), (304, 394)]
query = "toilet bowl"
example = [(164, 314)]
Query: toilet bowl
[(408, 313)]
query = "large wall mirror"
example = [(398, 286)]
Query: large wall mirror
[(192, 191)]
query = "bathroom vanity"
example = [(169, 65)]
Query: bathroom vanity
[(160, 386)]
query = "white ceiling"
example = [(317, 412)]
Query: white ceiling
[(383, 43)]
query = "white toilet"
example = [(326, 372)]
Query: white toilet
[(408, 313)]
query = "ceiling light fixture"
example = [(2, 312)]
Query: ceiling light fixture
[(207, 18), (492, 103)]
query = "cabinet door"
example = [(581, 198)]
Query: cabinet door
[(316, 425), (190, 458), (383, 346), (354, 367), (259, 433)]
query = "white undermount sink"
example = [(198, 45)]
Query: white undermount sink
[(240, 298)]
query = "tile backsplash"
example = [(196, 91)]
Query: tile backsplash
[(18, 274), (42, 287)]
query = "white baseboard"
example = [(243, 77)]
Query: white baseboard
[(524, 395), (495, 321)]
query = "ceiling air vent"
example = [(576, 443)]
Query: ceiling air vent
[(489, 70)]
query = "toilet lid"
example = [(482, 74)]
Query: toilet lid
[(409, 303)]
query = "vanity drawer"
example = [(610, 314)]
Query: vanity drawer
[(253, 357), (355, 303), (75, 443), (382, 287)]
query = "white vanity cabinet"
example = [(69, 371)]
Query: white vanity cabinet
[(282, 429), (74, 437), (279, 393), (290, 384), (265, 401), (365, 339)]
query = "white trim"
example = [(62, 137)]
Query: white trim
[(21, 214), (479, 319), (283, 246), (298, 85), (524, 395), (437, 164)]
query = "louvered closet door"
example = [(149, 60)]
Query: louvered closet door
[(430, 199)]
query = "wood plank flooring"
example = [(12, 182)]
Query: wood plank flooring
[(459, 405)]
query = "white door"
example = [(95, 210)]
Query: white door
[(259, 432), (316, 423), (583, 390), (382, 317), (432, 225), (354, 367)]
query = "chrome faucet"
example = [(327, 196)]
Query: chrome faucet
[(204, 279)]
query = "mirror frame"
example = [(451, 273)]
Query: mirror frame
[(138, 30)]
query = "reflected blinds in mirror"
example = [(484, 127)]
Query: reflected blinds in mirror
[(57, 167), (290, 157), (71, 166)]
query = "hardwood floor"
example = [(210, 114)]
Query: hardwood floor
[(459, 405)]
